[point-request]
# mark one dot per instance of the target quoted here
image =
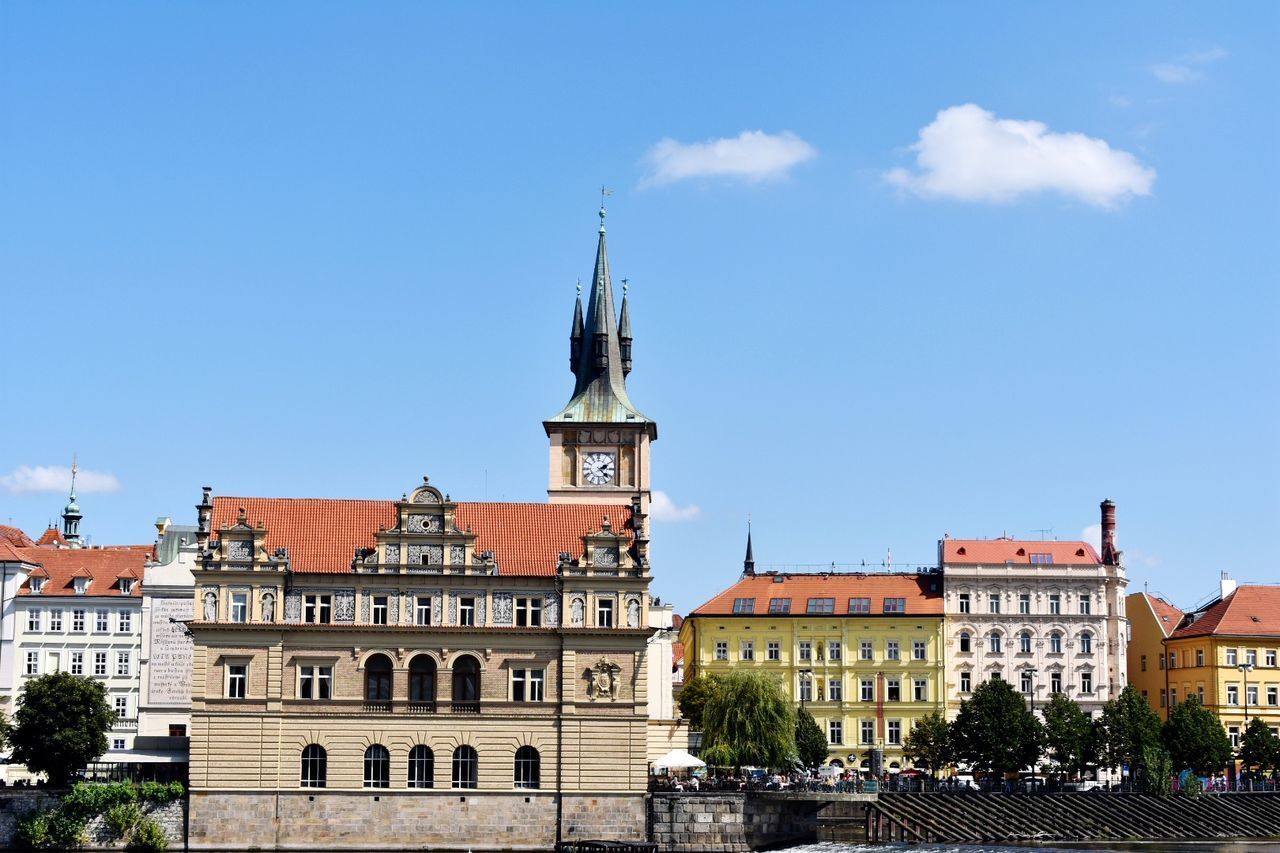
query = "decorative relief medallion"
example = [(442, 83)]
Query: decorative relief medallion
[(424, 523), (344, 605), (457, 555), (239, 550), (393, 555), (293, 606), (551, 610), (502, 614), (605, 557), (603, 680)]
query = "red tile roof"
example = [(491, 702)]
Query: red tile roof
[(1250, 610), (51, 536), (1167, 616), (103, 565), (10, 554), (997, 552), (323, 534), (922, 593), (15, 537)]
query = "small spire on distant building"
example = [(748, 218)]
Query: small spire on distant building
[(749, 563), (575, 333), (71, 513), (624, 330)]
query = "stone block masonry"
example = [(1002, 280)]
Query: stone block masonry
[(729, 822), (16, 802)]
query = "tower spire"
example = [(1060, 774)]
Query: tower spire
[(749, 563), (624, 331), (71, 512), (575, 334)]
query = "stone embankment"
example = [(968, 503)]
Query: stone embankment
[(16, 802), (739, 822)]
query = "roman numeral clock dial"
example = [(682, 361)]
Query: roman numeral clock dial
[(599, 469)]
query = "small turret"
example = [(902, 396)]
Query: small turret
[(204, 516), (575, 334), (749, 563), (624, 332), (71, 513)]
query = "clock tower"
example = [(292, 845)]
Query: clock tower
[(600, 440)]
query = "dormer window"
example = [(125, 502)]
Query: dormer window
[(126, 586), (81, 585), (37, 586)]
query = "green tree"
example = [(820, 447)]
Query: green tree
[(60, 724), (994, 731), (1068, 733), (749, 719), (811, 743), (1130, 729), (1259, 748), (693, 698), (1195, 739), (928, 744)]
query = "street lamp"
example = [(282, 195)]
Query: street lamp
[(806, 678), (1032, 672), (1245, 669)]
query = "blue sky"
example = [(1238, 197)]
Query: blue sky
[(898, 270)]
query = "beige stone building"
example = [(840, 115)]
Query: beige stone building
[(427, 672)]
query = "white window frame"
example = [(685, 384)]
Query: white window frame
[(239, 607), (318, 677), (77, 662), (866, 650), (806, 650), (124, 664), (55, 619), (835, 689), (102, 621), (422, 610), (528, 611), (32, 667), (773, 650), (835, 731), (99, 664), (919, 650), (834, 650), (236, 679), (78, 616), (722, 649), (892, 650), (528, 685), (604, 613), (747, 650), (317, 608), (34, 620), (380, 609)]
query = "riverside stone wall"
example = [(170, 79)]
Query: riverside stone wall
[(729, 822), (16, 802)]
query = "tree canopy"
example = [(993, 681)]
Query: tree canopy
[(994, 731), (1130, 729), (1069, 735), (60, 724), (928, 744), (749, 720), (1195, 738), (693, 698), (811, 743), (1259, 748)]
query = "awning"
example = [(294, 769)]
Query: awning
[(678, 759)]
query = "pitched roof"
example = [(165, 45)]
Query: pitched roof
[(102, 565), (922, 593), (322, 534), (14, 537), (1167, 616), (52, 536), (997, 552), (10, 554), (1252, 609)]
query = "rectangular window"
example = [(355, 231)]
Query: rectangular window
[(1173, 656), (33, 619), (1200, 693), (894, 732), (747, 651), (744, 605), (1162, 661), (835, 731), (1231, 657), (1273, 694), (993, 602), (1085, 605), (806, 650), (891, 650), (774, 650), (237, 680), (1055, 682), (239, 607), (117, 743), (806, 688), (893, 690), (467, 610), (1024, 603), (77, 663), (1026, 681), (966, 681), (867, 689), (835, 689), (122, 707), (859, 605), (33, 663), (833, 650), (102, 621), (527, 685), (100, 664), (1233, 734), (528, 612), (315, 682), (1251, 657), (1041, 559), (995, 642), (918, 649), (1055, 604), (77, 620), (779, 605), (1271, 657), (1086, 682), (1162, 697), (722, 650), (964, 602), (124, 621), (1199, 658), (604, 613), (866, 650), (422, 610), (381, 609), (123, 667), (822, 605), (868, 731), (1251, 694), (317, 609), (921, 690), (895, 605), (1142, 663)]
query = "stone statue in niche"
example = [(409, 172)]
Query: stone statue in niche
[(633, 613), (268, 607), (211, 606), (577, 610), (603, 680)]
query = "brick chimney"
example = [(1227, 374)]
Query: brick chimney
[(1110, 556)]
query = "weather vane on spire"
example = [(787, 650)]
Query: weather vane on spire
[(74, 469), (604, 193), (626, 283)]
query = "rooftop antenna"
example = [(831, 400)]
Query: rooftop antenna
[(1043, 531)]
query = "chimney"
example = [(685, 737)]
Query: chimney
[(1110, 556), (1226, 586)]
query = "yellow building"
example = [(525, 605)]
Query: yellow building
[(1152, 619), (1227, 654), (863, 653)]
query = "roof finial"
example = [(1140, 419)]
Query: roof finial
[(579, 288), (74, 469), (604, 192), (626, 285)]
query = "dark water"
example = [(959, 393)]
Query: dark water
[(1143, 846)]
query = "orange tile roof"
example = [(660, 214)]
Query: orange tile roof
[(1167, 616), (51, 536), (923, 593), (15, 537), (322, 534), (10, 554), (997, 552), (103, 565), (1252, 610)]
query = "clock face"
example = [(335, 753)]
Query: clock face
[(598, 468)]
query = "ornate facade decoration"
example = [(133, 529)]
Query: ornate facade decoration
[(393, 555), (426, 555), (603, 680), (239, 549), (418, 523), (577, 611), (344, 605), (633, 613), (502, 614), (293, 606), (457, 555), (605, 558), (551, 610)]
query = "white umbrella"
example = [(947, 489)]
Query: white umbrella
[(678, 759)]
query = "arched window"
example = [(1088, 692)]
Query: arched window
[(377, 767), (528, 767), (465, 767), (377, 679), (1055, 643), (466, 683), (964, 641), (1024, 641), (315, 766), (994, 640), (422, 680), (422, 767), (1086, 643)]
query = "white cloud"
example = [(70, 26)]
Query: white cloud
[(49, 478), (968, 153), (662, 508), (1187, 68), (1093, 535), (752, 155)]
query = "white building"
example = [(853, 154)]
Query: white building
[(168, 602), (15, 565), (1046, 616)]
